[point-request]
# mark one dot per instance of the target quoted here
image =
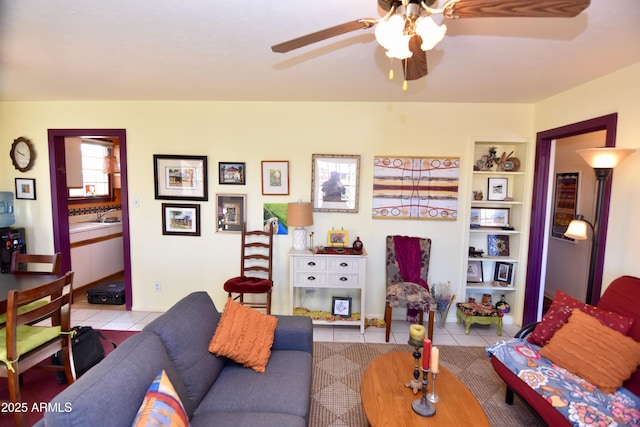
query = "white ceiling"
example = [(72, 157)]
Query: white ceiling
[(220, 50)]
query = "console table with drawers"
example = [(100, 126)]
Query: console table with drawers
[(328, 270)]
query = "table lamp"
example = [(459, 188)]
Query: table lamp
[(299, 215)]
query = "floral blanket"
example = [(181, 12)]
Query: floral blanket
[(579, 401)]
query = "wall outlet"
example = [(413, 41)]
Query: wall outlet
[(157, 287), (311, 292)]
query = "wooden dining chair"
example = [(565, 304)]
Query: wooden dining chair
[(35, 263), (256, 260), (24, 346)]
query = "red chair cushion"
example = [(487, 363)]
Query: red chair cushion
[(248, 285)]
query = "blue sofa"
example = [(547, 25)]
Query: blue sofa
[(215, 391)]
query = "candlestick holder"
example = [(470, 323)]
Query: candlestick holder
[(422, 406), (415, 384), (433, 397)]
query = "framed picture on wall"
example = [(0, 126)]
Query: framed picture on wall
[(565, 201), (335, 180), (180, 177), (180, 219), (26, 188), (275, 177), (231, 212), (233, 173)]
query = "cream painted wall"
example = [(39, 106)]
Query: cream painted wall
[(617, 92), (251, 132)]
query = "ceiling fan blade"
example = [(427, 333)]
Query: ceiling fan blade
[(519, 8), (415, 67), (327, 33)]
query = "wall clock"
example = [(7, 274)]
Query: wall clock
[(22, 154)]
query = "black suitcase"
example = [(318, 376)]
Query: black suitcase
[(111, 293)]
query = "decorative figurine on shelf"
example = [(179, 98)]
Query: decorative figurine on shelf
[(358, 246), (477, 195)]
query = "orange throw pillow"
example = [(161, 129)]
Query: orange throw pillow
[(598, 354), (244, 335)]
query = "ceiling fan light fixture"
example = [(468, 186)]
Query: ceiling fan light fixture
[(431, 33)]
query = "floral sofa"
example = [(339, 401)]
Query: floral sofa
[(570, 368)]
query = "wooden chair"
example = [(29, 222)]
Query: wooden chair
[(255, 277), (23, 346), (35, 263), (401, 291)]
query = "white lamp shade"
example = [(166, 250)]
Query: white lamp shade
[(577, 230), (604, 158)]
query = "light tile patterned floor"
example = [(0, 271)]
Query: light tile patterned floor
[(451, 334)]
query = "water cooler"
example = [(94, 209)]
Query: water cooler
[(11, 239)]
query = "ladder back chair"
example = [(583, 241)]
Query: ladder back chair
[(24, 346), (408, 257), (256, 265)]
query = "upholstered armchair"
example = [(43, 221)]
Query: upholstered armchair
[(407, 268)]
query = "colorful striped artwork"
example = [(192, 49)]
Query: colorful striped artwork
[(415, 187)]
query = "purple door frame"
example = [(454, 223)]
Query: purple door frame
[(539, 208), (60, 207)]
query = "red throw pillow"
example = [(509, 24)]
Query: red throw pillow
[(560, 310)]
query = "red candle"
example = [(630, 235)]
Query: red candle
[(426, 354)]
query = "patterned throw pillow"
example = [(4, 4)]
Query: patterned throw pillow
[(560, 310), (594, 352), (244, 335), (161, 405)]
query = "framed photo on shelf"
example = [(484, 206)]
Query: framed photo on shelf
[(180, 177), (180, 219), (275, 177), (474, 272), (335, 181), (490, 217), (231, 212), (337, 238), (341, 307), (498, 189), (498, 245), (503, 272), (26, 188), (232, 173)]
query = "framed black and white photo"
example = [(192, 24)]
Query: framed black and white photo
[(474, 272), (180, 177), (335, 180), (26, 188), (341, 307), (180, 219), (275, 177), (231, 212), (498, 189), (233, 173)]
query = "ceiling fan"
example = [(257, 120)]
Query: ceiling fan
[(407, 30)]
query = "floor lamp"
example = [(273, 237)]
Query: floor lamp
[(602, 160)]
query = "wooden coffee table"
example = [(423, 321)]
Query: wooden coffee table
[(387, 402)]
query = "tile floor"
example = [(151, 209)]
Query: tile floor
[(452, 334)]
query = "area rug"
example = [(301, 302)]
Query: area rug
[(39, 386), (338, 369)]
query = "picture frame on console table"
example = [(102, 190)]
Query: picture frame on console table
[(338, 238)]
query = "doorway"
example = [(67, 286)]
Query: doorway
[(539, 211), (59, 195)]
